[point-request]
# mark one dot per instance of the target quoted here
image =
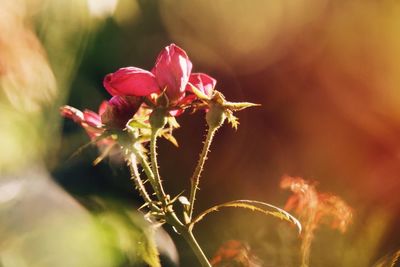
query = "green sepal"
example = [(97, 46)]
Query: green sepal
[(198, 93), (137, 124), (237, 106)]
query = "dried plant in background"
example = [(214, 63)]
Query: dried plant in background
[(313, 209)]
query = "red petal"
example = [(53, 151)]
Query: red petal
[(172, 71), (203, 82), (103, 107), (92, 118), (131, 81), (72, 113)]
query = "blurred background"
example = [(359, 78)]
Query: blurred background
[(325, 72)]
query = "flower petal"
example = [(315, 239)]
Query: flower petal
[(103, 107), (88, 119), (131, 81), (172, 71), (72, 113), (203, 82), (91, 118)]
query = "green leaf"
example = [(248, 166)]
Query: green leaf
[(129, 233), (253, 205)]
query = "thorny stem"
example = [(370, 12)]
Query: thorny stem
[(153, 175), (150, 175), (187, 234), (199, 168), (154, 162), (170, 216), (135, 176)]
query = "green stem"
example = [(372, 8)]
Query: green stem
[(187, 234), (154, 162), (135, 176), (150, 175), (199, 168), (191, 240), (154, 177)]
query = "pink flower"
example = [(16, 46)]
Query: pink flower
[(89, 120), (119, 110), (131, 81), (172, 71), (202, 82), (171, 74)]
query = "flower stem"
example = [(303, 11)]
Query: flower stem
[(150, 175), (191, 240), (199, 168), (135, 176), (186, 232), (154, 162)]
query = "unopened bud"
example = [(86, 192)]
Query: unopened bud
[(158, 118), (215, 116)]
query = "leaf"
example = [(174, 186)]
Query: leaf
[(253, 205), (128, 233)]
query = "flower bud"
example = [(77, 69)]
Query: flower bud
[(215, 116), (158, 118), (119, 110)]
